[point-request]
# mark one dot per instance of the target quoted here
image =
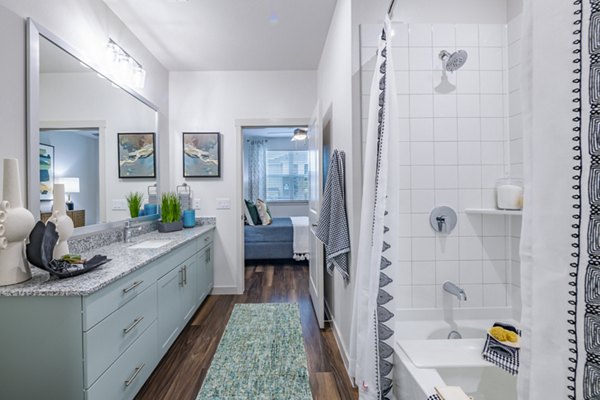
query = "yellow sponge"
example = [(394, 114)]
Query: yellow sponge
[(504, 335)]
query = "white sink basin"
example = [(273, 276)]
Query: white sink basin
[(151, 244)]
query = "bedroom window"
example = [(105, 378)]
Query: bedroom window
[(287, 175)]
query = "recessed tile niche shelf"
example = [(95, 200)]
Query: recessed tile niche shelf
[(492, 211)]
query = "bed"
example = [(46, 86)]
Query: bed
[(276, 241)]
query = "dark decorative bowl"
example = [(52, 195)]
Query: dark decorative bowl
[(172, 227)]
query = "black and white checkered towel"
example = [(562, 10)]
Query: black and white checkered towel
[(501, 355), (434, 397), (333, 221)]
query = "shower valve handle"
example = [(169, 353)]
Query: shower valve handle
[(441, 220)]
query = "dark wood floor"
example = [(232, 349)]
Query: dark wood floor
[(183, 369)]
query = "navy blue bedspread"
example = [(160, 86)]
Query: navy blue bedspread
[(269, 242), (280, 230)]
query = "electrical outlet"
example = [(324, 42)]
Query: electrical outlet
[(119, 205), (197, 204), (224, 204)]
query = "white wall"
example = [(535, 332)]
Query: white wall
[(336, 101), (213, 102), (85, 25), (68, 97)]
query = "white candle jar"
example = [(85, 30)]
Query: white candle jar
[(509, 194)]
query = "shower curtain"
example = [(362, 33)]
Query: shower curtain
[(372, 337), (560, 248)]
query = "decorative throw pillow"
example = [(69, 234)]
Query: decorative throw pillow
[(263, 212), (252, 213)]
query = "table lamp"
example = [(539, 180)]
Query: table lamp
[(71, 186)]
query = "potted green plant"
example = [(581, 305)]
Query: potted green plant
[(170, 213), (134, 203)]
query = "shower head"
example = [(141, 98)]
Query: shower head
[(453, 61)]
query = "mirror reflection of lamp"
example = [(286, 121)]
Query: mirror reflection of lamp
[(71, 186)]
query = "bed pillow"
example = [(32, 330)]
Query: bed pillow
[(252, 213), (263, 212)]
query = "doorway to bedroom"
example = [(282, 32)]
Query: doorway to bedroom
[(276, 196)]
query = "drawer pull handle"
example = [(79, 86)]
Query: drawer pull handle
[(137, 371), (206, 239), (133, 325), (130, 288), (185, 274)]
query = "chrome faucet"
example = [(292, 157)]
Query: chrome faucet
[(128, 231), (454, 290)]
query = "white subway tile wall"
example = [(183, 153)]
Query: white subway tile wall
[(515, 129), (457, 143)]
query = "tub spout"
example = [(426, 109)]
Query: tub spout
[(454, 290)]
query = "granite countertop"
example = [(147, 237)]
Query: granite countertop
[(124, 261)]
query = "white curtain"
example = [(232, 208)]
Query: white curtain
[(256, 185), (372, 337), (560, 245)]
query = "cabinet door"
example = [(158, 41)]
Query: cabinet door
[(209, 269), (202, 276), (170, 308), (190, 287)]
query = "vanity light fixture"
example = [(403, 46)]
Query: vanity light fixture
[(124, 67)]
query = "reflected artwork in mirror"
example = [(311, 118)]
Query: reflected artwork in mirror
[(136, 155), (88, 129)]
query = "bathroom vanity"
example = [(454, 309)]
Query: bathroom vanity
[(100, 335)]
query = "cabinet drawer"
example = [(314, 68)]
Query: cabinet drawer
[(127, 375), (103, 303), (106, 341), (205, 240)]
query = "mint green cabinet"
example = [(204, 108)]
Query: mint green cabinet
[(105, 345), (191, 271), (170, 305)]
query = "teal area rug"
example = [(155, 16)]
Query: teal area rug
[(261, 356)]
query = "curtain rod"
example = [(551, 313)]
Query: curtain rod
[(391, 9)]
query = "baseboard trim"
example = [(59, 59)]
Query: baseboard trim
[(224, 290), (339, 342)]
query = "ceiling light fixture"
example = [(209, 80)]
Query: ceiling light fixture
[(299, 135), (124, 68)]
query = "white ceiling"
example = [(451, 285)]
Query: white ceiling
[(230, 35)]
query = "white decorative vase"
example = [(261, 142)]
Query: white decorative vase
[(64, 224), (16, 223)]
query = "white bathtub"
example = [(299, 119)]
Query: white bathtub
[(424, 359)]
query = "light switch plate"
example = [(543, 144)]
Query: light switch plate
[(224, 204), (119, 205)]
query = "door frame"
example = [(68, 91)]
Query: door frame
[(88, 124), (240, 124)]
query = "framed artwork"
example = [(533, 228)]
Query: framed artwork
[(201, 154), (137, 155), (46, 172)]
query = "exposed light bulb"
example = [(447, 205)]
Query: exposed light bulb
[(124, 68)]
